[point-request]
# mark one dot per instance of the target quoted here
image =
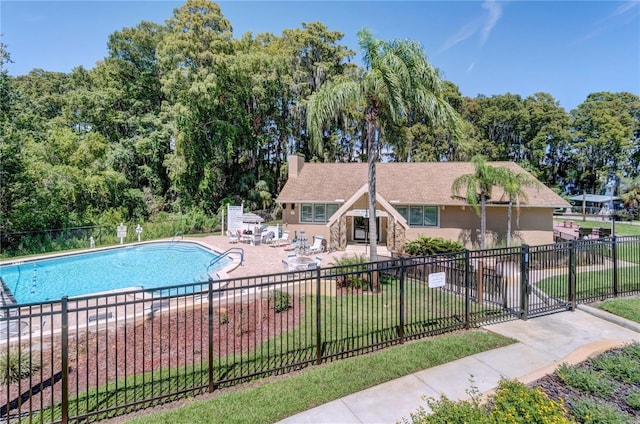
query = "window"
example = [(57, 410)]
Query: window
[(419, 216), (306, 212), (317, 212)]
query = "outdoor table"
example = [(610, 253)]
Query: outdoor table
[(300, 263)]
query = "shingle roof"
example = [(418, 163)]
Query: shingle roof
[(407, 183)]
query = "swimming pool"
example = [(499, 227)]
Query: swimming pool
[(149, 265)]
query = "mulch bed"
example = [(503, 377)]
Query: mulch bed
[(157, 341)]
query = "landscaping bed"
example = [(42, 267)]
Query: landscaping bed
[(603, 389)]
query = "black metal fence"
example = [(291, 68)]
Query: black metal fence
[(90, 358)]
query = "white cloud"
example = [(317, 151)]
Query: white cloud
[(495, 12), (482, 24), (625, 7), (470, 68)]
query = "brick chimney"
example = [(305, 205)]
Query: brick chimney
[(296, 162)]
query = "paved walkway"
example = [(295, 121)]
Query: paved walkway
[(543, 344)]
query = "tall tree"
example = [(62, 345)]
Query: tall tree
[(603, 130), (477, 190), (397, 80)]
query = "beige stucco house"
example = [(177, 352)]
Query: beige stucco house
[(330, 200)]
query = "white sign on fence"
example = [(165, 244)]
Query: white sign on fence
[(234, 218), (437, 279)]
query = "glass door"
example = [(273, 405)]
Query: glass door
[(361, 228)]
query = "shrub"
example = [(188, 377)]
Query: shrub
[(223, 316), (424, 246), (447, 411), (633, 399), (16, 365), (618, 366), (590, 411), (353, 267), (586, 380), (280, 300), (513, 402)]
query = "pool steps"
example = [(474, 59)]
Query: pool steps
[(6, 297)]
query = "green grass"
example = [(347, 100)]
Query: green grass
[(270, 401), (627, 308), (592, 284)]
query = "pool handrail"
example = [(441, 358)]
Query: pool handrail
[(225, 254)]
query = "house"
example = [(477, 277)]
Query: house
[(330, 200)]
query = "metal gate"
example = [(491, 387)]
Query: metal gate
[(548, 274)]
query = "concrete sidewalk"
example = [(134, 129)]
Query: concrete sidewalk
[(543, 344)]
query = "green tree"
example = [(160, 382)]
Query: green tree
[(477, 190), (397, 80), (603, 139), (631, 194), (513, 184)]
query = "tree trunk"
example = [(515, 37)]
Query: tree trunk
[(371, 158), (483, 221), (509, 214)]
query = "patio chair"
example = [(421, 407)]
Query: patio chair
[(268, 237), (284, 239), (317, 246), (233, 237)]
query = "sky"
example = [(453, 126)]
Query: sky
[(568, 49)]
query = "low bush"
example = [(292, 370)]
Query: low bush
[(424, 246), (633, 399), (590, 411), (281, 301), (586, 380), (16, 365), (619, 366), (512, 402), (352, 275)]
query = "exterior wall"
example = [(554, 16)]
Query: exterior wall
[(456, 223), (463, 225)]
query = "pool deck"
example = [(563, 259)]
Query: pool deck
[(267, 259)]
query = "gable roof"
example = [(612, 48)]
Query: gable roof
[(379, 198), (400, 183)]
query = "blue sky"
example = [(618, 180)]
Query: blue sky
[(567, 49)]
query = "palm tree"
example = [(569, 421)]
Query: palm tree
[(513, 184), (631, 195), (397, 80), (478, 187)]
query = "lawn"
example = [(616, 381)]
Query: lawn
[(628, 308), (270, 401), (592, 284)]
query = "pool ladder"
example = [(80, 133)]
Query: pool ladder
[(175, 237), (227, 253)]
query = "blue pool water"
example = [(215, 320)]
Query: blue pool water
[(150, 265)]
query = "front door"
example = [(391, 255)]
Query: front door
[(361, 229)]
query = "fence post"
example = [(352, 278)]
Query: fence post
[(318, 320), (467, 286), (64, 340), (572, 275), (402, 297), (524, 282), (614, 258), (210, 334)]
